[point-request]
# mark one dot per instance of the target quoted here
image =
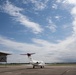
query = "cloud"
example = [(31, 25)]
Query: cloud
[(38, 4), (72, 5), (58, 1), (58, 17), (55, 51), (54, 6), (51, 25), (71, 1), (16, 45), (74, 27), (73, 13), (63, 50), (15, 12), (43, 43), (69, 43)]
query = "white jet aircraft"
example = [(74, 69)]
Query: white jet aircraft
[(35, 63)]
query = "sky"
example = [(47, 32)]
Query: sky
[(44, 27)]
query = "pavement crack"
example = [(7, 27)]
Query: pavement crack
[(65, 72)]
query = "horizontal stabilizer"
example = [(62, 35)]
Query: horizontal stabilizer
[(28, 54)]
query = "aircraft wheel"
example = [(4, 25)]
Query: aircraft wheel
[(41, 67), (33, 66)]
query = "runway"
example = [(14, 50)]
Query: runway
[(28, 70)]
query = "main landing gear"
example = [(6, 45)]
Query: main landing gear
[(38, 66)]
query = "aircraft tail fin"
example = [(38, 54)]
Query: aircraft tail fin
[(29, 55)]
